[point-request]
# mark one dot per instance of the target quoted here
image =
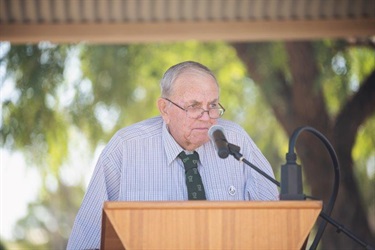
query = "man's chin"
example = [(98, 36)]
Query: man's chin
[(200, 141)]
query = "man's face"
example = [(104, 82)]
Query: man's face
[(191, 90)]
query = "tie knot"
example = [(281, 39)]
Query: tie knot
[(190, 160)]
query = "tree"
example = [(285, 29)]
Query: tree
[(118, 85), (293, 77)]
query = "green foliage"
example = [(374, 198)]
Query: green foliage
[(362, 61), (30, 120), (364, 159), (349, 67)]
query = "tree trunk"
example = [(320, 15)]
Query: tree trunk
[(298, 100)]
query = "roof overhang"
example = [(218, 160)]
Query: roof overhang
[(134, 21)]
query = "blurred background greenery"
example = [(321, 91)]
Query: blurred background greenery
[(62, 103)]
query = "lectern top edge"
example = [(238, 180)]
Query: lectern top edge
[(212, 204)]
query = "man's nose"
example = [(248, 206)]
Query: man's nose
[(205, 115)]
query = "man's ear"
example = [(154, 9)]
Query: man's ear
[(163, 109)]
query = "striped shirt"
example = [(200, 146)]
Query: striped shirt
[(140, 163)]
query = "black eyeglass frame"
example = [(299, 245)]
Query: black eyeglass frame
[(203, 110)]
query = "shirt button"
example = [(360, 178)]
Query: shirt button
[(232, 190)]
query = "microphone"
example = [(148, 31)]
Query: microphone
[(216, 134)]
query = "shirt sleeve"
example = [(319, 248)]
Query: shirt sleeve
[(86, 232), (259, 187)]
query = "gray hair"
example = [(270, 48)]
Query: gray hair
[(170, 76)]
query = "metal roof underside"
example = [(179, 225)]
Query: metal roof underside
[(125, 21)]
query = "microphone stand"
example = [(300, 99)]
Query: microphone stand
[(234, 150)]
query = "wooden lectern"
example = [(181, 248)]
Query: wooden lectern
[(208, 224)]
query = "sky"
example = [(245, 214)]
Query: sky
[(18, 186)]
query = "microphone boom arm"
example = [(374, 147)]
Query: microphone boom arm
[(234, 150)]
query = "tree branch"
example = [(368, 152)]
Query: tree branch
[(354, 113), (278, 94), (244, 53), (306, 94)]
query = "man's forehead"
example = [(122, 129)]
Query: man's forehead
[(196, 87), (197, 101)]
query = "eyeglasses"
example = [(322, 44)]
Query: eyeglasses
[(195, 113)]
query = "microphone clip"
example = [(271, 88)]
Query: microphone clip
[(234, 150), (291, 179)]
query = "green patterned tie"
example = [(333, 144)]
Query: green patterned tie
[(193, 178)]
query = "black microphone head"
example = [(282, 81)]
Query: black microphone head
[(213, 129), (216, 134), (223, 153)]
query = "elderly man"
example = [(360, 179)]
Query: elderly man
[(171, 157)]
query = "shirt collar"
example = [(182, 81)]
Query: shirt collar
[(171, 147)]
